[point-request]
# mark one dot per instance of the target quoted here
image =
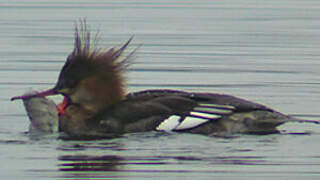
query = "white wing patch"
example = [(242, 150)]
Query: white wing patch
[(169, 124), (200, 114), (204, 115), (212, 110), (190, 122)]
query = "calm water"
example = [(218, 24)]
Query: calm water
[(266, 51)]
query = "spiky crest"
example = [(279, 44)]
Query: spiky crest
[(108, 60), (86, 60), (91, 76)]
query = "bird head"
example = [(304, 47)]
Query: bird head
[(90, 77)]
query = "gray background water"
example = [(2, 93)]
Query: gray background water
[(265, 51)]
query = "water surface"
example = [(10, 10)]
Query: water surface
[(265, 51)]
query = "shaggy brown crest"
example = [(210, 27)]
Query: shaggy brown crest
[(90, 69), (85, 61), (90, 78)]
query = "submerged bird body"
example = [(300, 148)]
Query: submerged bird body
[(204, 113), (178, 111), (96, 105)]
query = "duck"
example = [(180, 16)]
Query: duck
[(96, 104)]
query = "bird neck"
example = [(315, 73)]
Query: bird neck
[(96, 94)]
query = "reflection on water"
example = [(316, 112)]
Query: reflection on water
[(265, 51), (131, 156), (90, 163)]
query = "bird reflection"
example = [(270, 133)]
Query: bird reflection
[(89, 163)]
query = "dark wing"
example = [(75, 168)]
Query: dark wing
[(169, 110)]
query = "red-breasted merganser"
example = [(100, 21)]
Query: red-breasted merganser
[(95, 103)]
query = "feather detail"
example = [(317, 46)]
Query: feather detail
[(169, 124), (190, 122)]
